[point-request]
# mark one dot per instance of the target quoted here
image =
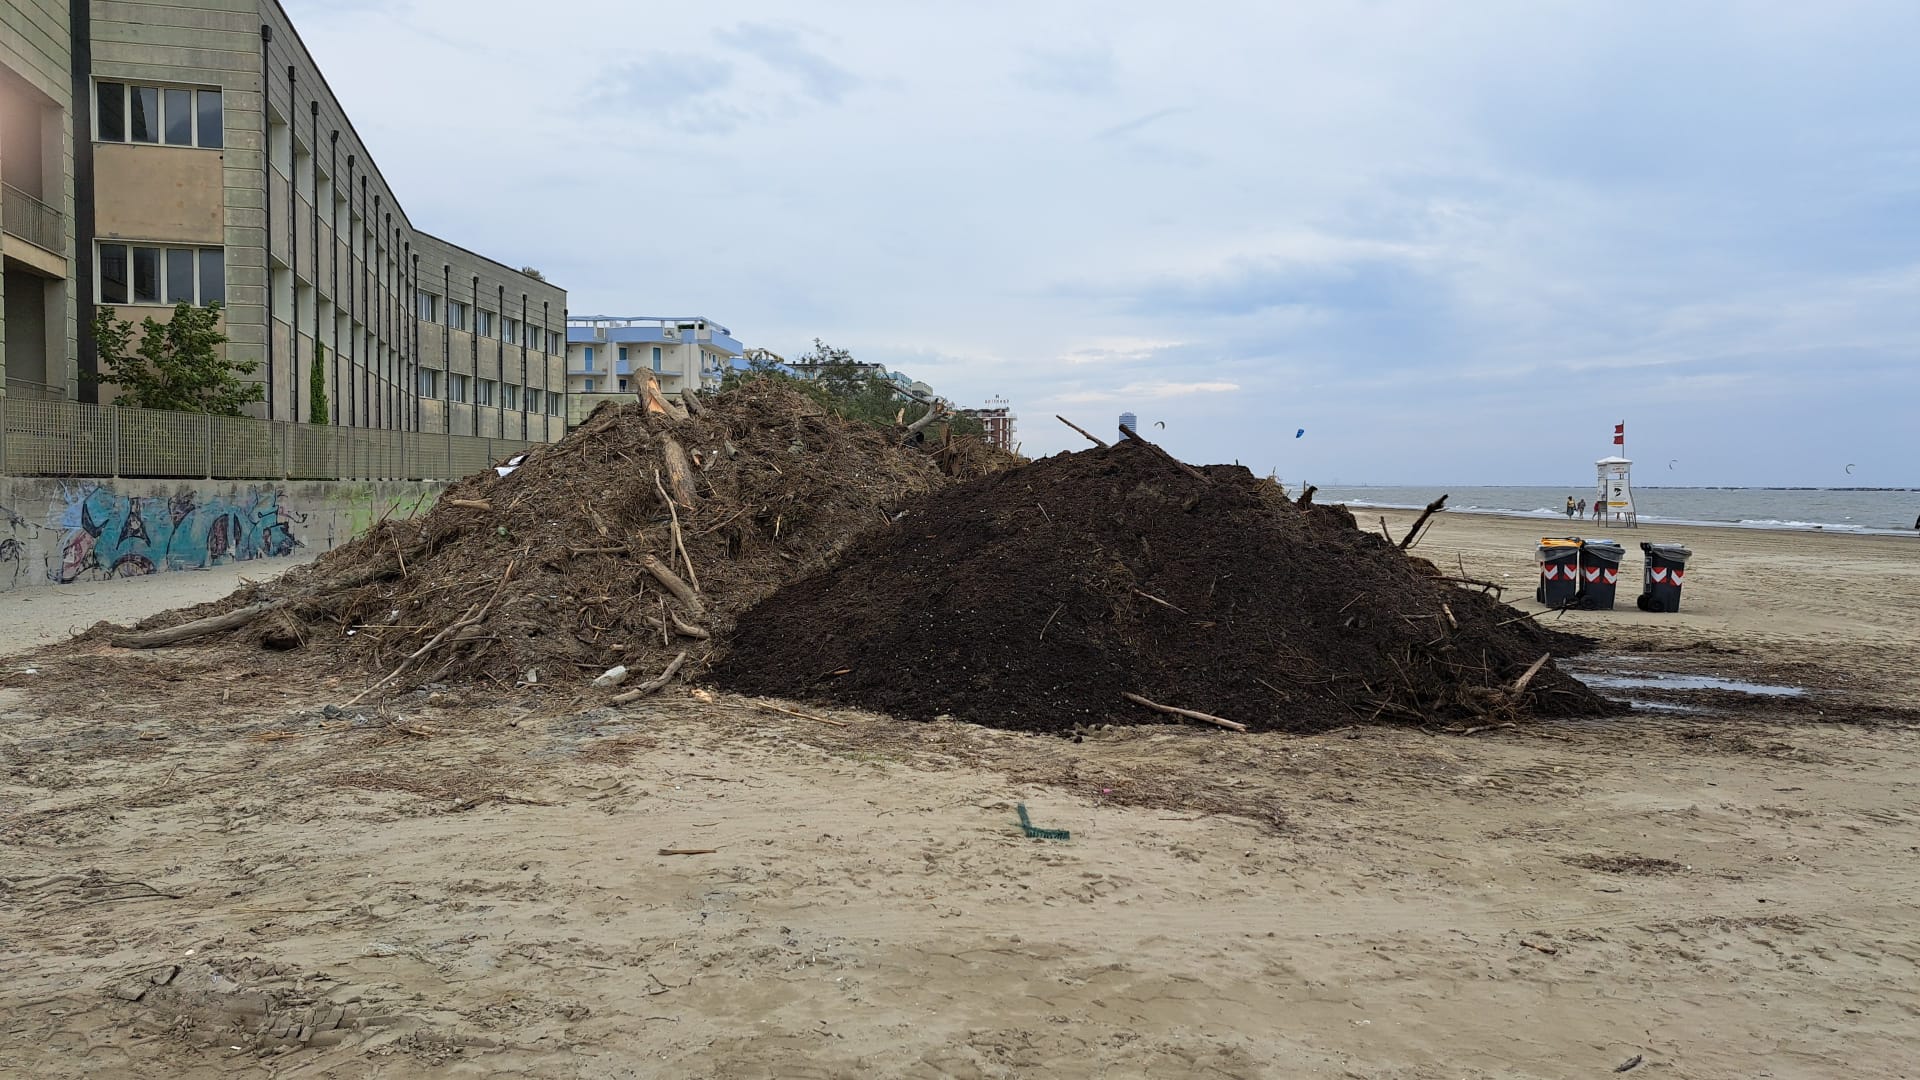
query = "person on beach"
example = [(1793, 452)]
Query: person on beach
[(1583, 508), (1600, 509), (1569, 508)]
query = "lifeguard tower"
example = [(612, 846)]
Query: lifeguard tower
[(1614, 503), (1615, 497)]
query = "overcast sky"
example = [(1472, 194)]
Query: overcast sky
[(1455, 242)]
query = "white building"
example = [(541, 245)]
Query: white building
[(610, 356)]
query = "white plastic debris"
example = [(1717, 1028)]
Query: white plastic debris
[(614, 676)]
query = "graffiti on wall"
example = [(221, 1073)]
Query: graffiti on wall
[(13, 544), (106, 534)]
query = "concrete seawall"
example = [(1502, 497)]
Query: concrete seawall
[(57, 531)]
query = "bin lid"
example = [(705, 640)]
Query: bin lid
[(1604, 549), (1560, 541), (1676, 552)]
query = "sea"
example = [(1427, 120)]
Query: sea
[(1886, 511)]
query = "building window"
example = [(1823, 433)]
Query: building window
[(623, 354), (144, 274), (428, 307), (586, 364), (483, 392), (456, 315), (656, 358), (554, 402), (623, 386), (456, 387), (553, 347), (176, 116), (586, 387), (509, 396), (533, 400), (510, 331), (483, 322), (429, 383)]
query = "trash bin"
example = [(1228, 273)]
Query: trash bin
[(1559, 559), (1666, 571), (1599, 573)]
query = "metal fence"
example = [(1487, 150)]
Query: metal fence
[(31, 220), (71, 438)]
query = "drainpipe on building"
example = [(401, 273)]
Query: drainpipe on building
[(293, 258), (266, 185), (366, 305), (333, 263), (446, 355), (525, 333), (410, 337), (546, 421), (500, 362), (473, 341), (396, 345), (377, 321), (314, 108), (352, 337)]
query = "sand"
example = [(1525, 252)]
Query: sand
[(472, 890)]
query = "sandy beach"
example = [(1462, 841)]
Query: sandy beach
[(208, 875)]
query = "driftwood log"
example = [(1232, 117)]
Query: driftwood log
[(671, 582), (679, 472), (1209, 718), (212, 624), (1433, 508), (1083, 431), (692, 400), (652, 684), (656, 402), (917, 426)]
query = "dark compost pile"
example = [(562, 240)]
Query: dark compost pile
[(546, 570), (1035, 597)]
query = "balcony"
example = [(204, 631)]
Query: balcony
[(29, 219)]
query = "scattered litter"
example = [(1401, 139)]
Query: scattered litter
[(1034, 832)]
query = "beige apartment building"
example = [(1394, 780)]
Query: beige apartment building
[(191, 150)]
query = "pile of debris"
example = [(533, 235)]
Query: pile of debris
[(634, 541), (1118, 585)]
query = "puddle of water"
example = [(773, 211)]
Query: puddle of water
[(1667, 706), (1686, 682)]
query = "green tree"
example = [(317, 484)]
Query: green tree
[(845, 386), (179, 366), (317, 387)]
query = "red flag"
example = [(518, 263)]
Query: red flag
[(1620, 434)]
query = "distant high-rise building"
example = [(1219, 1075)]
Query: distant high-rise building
[(1130, 422)]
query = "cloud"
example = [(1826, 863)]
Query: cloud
[(1115, 352), (1088, 72), (781, 48), (1139, 123), (1157, 389)]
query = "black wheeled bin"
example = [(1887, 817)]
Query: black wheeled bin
[(1559, 558), (1599, 573), (1666, 572)]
